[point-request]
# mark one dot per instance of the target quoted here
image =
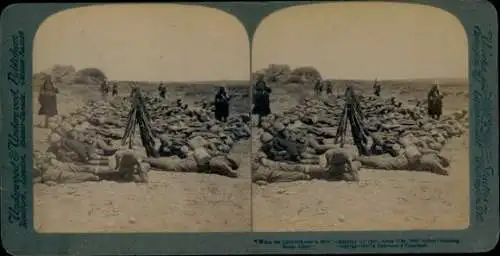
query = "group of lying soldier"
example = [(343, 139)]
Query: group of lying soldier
[(290, 154), (221, 101), (92, 158), (103, 160)]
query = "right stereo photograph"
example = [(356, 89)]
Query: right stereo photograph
[(360, 119)]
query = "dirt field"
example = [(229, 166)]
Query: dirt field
[(382, 200), (171, 202)]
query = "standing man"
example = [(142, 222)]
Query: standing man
[(435, 101), (329, 87), (222, 104), (104, 88), (115, 89), (377, 88), (261, 100), (48, 99), (162, 90), (318, 87)]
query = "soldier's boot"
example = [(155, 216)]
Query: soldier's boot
[(221, 165)]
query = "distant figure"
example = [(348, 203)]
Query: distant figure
[(435, 102), (377, 88), (104, 88), (261, 100), (318, 87), (133, 90), (48, 99), (329, 87), (163, 90), (180, 105), (222, 104), (115, 89)]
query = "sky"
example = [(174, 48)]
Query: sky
[(149, 42), (364, 41)]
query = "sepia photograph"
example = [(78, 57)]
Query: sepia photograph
[(141, 120), (360, 119)]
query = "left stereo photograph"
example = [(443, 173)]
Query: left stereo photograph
[(141, 120)]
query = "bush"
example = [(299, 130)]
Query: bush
[(63, 74), (67, 75), (277, 73), (90, 76), (280, 73), (305, 74), (37, 79)]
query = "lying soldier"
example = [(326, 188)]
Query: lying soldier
[(72, 148), (339, 165), (129, 166), (411, 159), (281, 146), (124, 165), (201, 160)]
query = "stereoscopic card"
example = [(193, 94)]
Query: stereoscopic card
[(249, 128)]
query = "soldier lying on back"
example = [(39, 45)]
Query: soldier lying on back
[(282, 147), (172, 147)]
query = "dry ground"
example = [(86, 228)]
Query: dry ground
[(382, 200), (171, 202)]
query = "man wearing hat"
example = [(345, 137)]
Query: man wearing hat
[(222, 104), (318, 87), (115, 89), (162, 89), (329, 87), (104, 88), (261, 103), (47, 99), (377, 88), (435, 101)]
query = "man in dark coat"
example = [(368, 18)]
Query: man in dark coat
[(104, 88), (329, 87), (261, 100), (435, 102), (318, 87), (48, 99), (162, 90), (377, 88), (221, 105), (115, 89)]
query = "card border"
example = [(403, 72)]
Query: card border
[(482, 235)]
